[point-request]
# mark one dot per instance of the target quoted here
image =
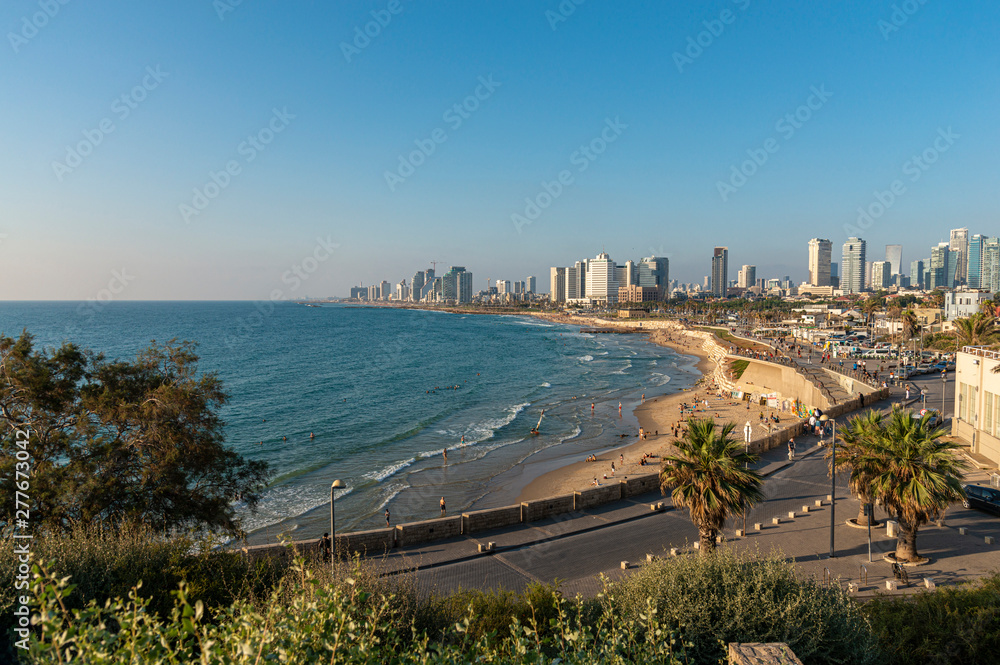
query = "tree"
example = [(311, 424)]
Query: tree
[(911, 325), (120, 441), (708, 477), (910, 472), (975, 330), (854, 445)]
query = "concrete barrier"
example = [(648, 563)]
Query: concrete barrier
[(493, 518), (542, 508), (375, 541), (422, 532), (597, 496), (640, 484)]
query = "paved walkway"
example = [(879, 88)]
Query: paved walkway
[(575, 549)]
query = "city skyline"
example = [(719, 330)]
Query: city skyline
[(230, 150)]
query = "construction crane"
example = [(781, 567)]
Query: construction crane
[(434, 265)]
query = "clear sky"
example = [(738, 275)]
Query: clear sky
[(312, 119)]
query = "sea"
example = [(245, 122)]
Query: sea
[(373, 396)]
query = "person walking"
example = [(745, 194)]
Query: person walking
[(326, 547), (791, 449), (387, 517), (443, 510)]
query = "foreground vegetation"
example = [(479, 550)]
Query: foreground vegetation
[(133, 597)]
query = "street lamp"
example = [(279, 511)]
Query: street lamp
[(337, 484), (944, 379), (833, 477), (747, 432)]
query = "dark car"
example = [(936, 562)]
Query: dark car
[(983, 498)]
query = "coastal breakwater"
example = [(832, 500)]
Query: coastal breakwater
[(375, 542)]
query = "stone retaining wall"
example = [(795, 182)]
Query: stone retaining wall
[(493, 518), (375, 541), (597, 496), (640, 484), (422, 532), (542, 508)]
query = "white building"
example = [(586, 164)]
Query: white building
[(977, 401), (601, 283), (960, 304), (820, 253), (557, 284), (853, 266)]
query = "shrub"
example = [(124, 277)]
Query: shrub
[(947, 625), (745, 597)]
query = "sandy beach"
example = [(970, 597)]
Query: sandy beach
[(658, 417)]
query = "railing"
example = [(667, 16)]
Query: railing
[(982, 352)]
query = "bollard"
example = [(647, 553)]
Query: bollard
[(852, 587), (805, 509), (929, 583), (624, 565), (829, 497), (757, 526), (819, 503), (675, 551), (989, 540), (719, 540), (652, 506), (891, 585), (791, 514), (776, 520), (890, 528), (492, 545), (962, 530), (650, 558), (697, 546), (740, 533)]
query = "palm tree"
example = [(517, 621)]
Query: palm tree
[(975, 330), (911, 473), (855, 444), (708, 476), (910, 324)]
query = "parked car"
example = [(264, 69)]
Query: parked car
[(982, 498)]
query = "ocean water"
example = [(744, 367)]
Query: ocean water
[(383, 392)]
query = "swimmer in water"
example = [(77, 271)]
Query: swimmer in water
[(311, 435)]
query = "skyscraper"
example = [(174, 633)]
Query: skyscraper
[(557, 284), (959, 243), (941, 272), (746, 277), (881, 275), (572, 283), (416, 285), (531, 284), (655, 271), (974, 265), (853, 266), (917, 278), (820, 251), (894, 255), (991, 265), (720, 271), (601, 282)]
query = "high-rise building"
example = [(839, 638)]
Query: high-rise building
[(917, 270), (720, 271), (573, 283), (416, 285), (894, 255), (941, 271), (974, 264), (991, 265), (557, 284), (959, 242), (746, 277), (601, 282), (820, 268), (655, 271), (853, 265), (881, 275), (532, 284), (465, 286), (385, 290)]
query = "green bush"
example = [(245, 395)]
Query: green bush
[(947, 625), (746, 597), (490, 612)]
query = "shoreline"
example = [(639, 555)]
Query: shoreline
[(656, 416)]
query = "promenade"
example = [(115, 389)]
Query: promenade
[(577, 548)]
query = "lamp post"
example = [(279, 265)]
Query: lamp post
[(833, 478), (944, 382), (337, 484), (747, 432)]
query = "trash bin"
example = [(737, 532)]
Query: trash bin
[(890, 528)]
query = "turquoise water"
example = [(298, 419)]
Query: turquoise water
[(384, 391)]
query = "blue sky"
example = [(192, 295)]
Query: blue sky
[(204, 81)]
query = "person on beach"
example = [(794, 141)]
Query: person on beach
[(444, 453), (443, 510), (791, 449), (622, 459), (612, 468), (326, 547), (387, 517), (591, 406)]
